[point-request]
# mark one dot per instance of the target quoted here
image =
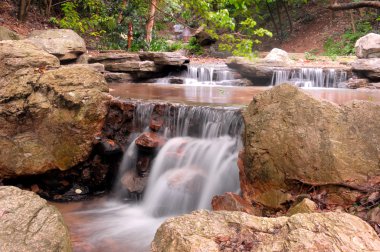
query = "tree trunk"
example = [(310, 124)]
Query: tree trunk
[(123, 8), (23, 9), (150, 22), (130, 35), (355, 5), (288, 16), (272, 18), (279, 20)]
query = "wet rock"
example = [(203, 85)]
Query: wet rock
[(368, 46), (63, 43), (49, 118), (150, 140), (108, 147), (156, 123), (232, 202), (305, 206), (28, 223), (176, 81), (113, 57), (6, 34), (357, 83), (118, 77), (278, 57), (164, 58), (237, 231), (132, 66), (133, 182), (293, 141), (370, 68)]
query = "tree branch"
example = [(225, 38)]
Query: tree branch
[(355, 5)]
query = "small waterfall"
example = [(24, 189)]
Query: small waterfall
[(198, 162), (188, 172), (207, 74), (204, 122), (310, 77)]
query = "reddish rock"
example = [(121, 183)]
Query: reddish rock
[(150, 140), (156, 124), (232, 202)]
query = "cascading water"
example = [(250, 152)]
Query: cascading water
[(198, 162), (203, 75), (207, 74), (310, 77)]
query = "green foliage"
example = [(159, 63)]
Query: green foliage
[(311, 55), (193, 47), (89, 17), (346, 45)]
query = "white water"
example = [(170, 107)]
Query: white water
[(310, 77), (204, 75), (186, 174)]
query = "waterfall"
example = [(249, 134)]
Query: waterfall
[(310, 77), (188, 172), (204, 74), (198, 161)]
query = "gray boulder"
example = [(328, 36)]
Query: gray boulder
[(63, 43), (368, 46), (29, 223)]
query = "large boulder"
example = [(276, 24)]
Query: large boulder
[(49, 117), (64, 43), (6, 34), (370, 68), (294, 142), (236, 231), (368, 46), (29, 223)]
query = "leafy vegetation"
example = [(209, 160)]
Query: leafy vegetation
[(345, 45), (237, 25)]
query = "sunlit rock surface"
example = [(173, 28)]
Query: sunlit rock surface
[(293, 141), (28, 223), (49, 117), (225, 231)]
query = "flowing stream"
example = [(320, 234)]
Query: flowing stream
[(198, 162)]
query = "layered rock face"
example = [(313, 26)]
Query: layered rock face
[(367, 65), (294, 142), (237, 231), (28, 223), (50, 117)]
